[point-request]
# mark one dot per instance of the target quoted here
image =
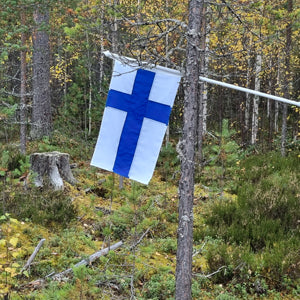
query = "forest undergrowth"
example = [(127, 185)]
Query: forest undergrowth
[(246, 227)]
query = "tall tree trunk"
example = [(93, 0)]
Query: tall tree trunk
[(114, 46), (202, 108), (167, 137), (205, 68), (276, 108), (23, 109), (101, 56), (41, 109), (256, 99), (114, 28), (90, 85), (270, 89), (247, 104), (186, 184), (286, 93)]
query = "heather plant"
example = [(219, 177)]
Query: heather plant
[(53, 207), (261, 223)]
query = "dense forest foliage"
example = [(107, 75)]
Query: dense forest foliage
[(54, 79)]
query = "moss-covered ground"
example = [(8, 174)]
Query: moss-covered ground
[(246, 240)]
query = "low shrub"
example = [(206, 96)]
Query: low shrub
[(262, 220), (38, 206)]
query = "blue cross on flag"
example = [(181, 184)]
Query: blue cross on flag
[(135, 119)]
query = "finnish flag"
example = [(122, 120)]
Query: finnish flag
[(135, 119)]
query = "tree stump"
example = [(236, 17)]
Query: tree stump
[(52, 166)]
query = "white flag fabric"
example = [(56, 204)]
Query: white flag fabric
[(135, 119)]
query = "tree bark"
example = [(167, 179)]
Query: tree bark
[(205, 67), (248, 97), (204, 60), (186, 184), (41, 108), (276, 108), (288, 46), (90, 84), (256, 99), (53, 166), (23, 109)]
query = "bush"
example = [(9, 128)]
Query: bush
[(266, 210), (39, 206), (263, 220), (160, 286)]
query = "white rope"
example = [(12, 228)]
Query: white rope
[(128, 60)]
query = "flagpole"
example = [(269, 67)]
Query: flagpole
[(127, 60), (235, 87)]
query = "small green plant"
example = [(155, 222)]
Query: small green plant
[(168, 163), (226, 296), (160, 286), (221, 157)]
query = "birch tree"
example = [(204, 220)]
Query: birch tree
[(256, 99), (286, 93)]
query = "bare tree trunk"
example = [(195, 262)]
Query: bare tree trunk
[(114, 28), (90, 85), (286, 93), (167, 137), (114, 40), (41, 109), (256, 99), (101, 59), (276, 109), (186, 184), (247, 105), (23, 110), (270, 89), (205, 69), (203, 89)]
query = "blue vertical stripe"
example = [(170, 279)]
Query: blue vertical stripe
[(138, 106)]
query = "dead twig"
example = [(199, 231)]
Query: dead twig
[(33, 255), (60, 276), (211, 274), (140, 239)]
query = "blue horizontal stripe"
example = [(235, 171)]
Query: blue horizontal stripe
[(138, 106)]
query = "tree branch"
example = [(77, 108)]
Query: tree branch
[(33, 255), (84, 262)]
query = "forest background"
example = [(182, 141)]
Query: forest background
[(54, 80)]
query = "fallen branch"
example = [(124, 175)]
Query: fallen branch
[(60, 276), (140, 239), (33, 255), (211, 274), (199, 251)]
